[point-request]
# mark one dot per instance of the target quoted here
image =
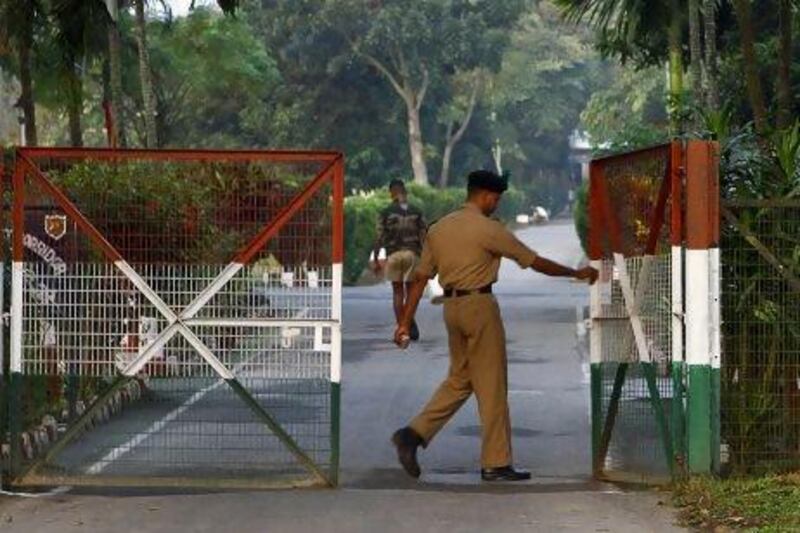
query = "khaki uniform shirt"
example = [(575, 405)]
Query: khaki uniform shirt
[(465, 247)]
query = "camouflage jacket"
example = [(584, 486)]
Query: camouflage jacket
[(401, 228)]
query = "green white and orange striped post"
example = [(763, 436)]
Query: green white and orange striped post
[(336, 316), (702, 301)]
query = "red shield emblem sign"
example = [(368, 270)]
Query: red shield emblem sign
[(55, 226)]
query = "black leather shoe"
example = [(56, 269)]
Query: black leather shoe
[(414, 333), (406, 440), (504, 473)]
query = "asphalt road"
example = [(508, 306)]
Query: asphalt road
[(383, 388), (548, 385)]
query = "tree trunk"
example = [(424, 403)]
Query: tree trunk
[(75, 107), (452, 138), (444, 178), (26, 98), (747, 36), (784, 88), (676, 70), (415, 145), (695, 51), (115, 67), (711, 63), (148, 95)]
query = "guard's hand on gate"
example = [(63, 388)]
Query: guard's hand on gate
[(402, 336), (587, 273)]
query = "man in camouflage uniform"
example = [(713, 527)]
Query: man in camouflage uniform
[(401, 231), (464, 249)]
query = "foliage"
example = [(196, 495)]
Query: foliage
[(633, 30), (761, 337), (277, 75), (548, 75), (181, 214), (221, 103), (361, 216), (630, 113), (761, 504), (580, 215)]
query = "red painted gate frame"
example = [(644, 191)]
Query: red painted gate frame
[(332, 170)]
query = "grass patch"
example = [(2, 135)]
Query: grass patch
[(766, 504)]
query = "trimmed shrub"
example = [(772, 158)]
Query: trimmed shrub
[(580, 214), (362, 210)]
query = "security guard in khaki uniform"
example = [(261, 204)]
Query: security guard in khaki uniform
[(465, 249)]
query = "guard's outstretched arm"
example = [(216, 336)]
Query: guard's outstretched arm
[(551, 268), (414, 296)]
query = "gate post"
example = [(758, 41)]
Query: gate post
[(702, 305), (595, 311), (677, 408), (336, 315)]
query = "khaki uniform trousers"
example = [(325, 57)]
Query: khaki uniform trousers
[(477, 364)]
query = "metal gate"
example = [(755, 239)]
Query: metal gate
[(643, 393), (175, 317)]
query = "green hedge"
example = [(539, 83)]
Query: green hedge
[(580, 214), (361, 215)]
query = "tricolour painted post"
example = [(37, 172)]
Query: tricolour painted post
[(595, 312), (677, 406), (702, 242), (336, 315), (15, 344)]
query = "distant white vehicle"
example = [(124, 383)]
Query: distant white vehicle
[(523, 219), (540, 215)]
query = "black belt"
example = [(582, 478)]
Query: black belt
[(455, 293)]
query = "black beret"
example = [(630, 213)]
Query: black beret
[(487, 180)]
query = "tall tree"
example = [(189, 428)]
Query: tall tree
[(784, 83), (215, 80), (81, 32), (145, 76), (695, 50), (711, 63), (118, 132), (747, 36), (636, 29), (414, 43), (676, 68), (548, 75), (19, 23), (457, 117)]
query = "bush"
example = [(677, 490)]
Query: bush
[(580, 213), (361, 217)]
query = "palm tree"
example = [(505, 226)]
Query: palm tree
[(747, 34), (146, 77), (784, 84), (81, 32), (711, 59), (695, 49), (145, 71), (629, 24), (118, 130), (20, 20)]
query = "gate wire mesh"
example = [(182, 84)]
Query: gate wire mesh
[(632, 184), (178, 221), (760, 381)]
